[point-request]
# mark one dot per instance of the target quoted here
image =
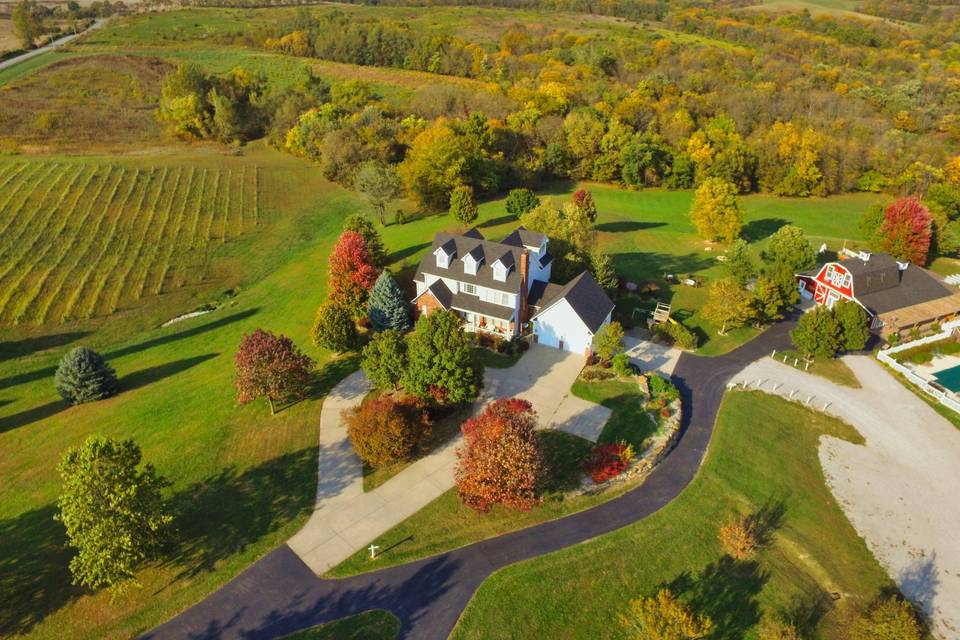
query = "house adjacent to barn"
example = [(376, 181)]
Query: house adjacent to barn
[(896, 295), (504, 288)]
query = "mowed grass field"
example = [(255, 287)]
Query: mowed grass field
[(815, 570), (85, 239)]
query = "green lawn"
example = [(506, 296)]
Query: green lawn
[(763, 459), (369, 625), (628, 423)]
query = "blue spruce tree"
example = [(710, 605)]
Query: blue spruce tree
[(387, 306)]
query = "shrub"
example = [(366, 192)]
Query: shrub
[(665, 412), (621, 364), (592, 360), (609, 340), (738, 538), (520, 201), (385, 359), (663, 388), (272, 367), (678, 335), (596, 374), (501, 461), (522, 345), (606, 461), (112, 510), (890, 619), (663, 617), (772, 629), (383, 429), (334, 328), (84, 376)]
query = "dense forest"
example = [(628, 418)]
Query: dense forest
[(784, 102)]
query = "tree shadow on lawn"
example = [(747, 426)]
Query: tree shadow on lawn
[(27, 346), (640, 266), (46, 372), (129, 382), (224, 514), (34, 570), (757, 230), (494, 222), (406, 252), (624, 226)]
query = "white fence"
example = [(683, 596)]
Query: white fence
[(885, 356)]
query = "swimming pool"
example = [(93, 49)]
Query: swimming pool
[(949, 378)]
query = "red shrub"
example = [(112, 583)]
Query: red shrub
[(605, 462), (384, 429), (500, 461), (665, 412)]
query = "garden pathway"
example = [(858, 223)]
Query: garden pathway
[(900, 489), (345, 519), (279, 594)]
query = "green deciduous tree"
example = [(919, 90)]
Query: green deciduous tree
[(869, 224), (113, 511), (379, 184), (817, 334), (608, 341), (601, 266), (729, 305), (462, 206), (853, 325), (334, 328), (27, 24), (520, 201), (789, 246), (739, 262), (716, 212), (385, 359), (84, 376), (663, 617), (388, 306), (571, 235), (442, 367), (768, 300)]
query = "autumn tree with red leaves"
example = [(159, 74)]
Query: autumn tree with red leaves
[(272, 367), (906, 230), (501, 461), (352, 273)]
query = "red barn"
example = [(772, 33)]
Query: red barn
[(895, 295)]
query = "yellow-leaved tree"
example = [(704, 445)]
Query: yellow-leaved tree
[(663, 617), (716, 212)]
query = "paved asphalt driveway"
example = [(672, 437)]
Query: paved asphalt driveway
[(279, 594)]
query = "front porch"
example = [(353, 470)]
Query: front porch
[(477, 322)]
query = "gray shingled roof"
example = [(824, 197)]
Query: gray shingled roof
[(915, 286), (474, 232), (492, 251), (541, 291), (441, 292), (588, 300), (524, 237)]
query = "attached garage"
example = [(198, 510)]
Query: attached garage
[(568, 317)]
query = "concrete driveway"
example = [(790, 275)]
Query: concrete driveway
[(650, 356), (543, 376)]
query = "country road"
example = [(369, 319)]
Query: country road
[(50, 47)]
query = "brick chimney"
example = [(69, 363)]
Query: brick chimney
[(524, 288)]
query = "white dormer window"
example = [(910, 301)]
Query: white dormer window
[(443, 260), (499, 271), (470, 265)]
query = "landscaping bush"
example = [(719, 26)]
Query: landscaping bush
[(596, 374), (738, 538), (663, 617), (383, 429), (606, 461), (678, 335), (501, 461), (592, 360), (663, 388), (84, 376), (621, 365), (522, 345), (772, 629), (890, 619)]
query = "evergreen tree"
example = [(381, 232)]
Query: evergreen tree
[(84, 376), (817, 334), (112, 510), (385, 359), (853, 325), (462, 206), (442, 367), (387, 305)]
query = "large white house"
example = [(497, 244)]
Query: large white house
[(504, 288)]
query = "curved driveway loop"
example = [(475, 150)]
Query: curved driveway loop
[(279, 594)]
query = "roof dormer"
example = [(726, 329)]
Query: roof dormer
[(473, 260), (444, 252)]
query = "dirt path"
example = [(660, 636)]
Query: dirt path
[(900, 491)]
